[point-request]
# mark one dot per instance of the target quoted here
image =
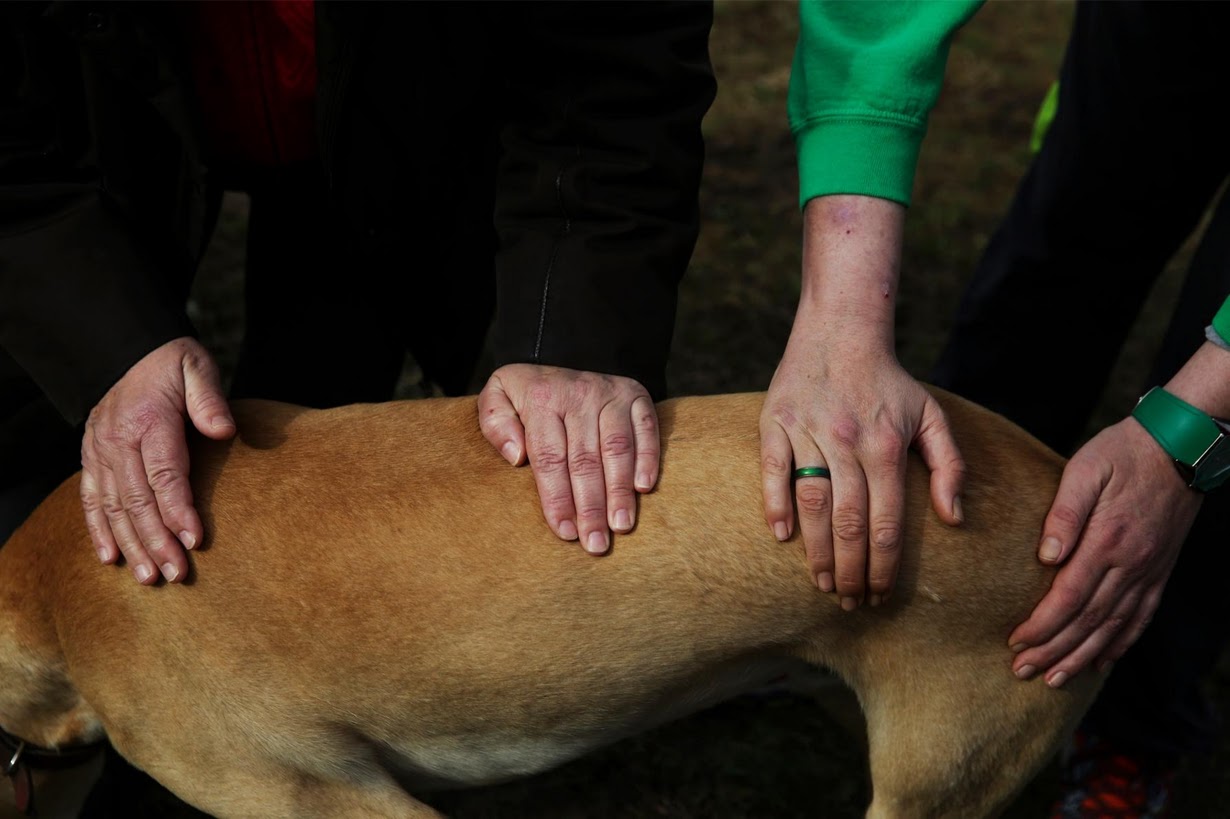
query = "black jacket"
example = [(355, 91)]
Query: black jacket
[(576, 127)]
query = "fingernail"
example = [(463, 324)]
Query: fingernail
[(848, 604), (825, 581), (644, 483), (597, 543), (186, 538), (1048, 552), (1017, 648), (1057, 679), (873, 600), (219, 421), (144, 572), (1025, 672), (623, 521), (568, 530), (957, 511), (511, 452), (170, 572), (102, 555), (782, 532)]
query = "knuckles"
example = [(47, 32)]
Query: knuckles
[(849, 525), (616, 446), (773, 466), (165, 478), (813, 500), (1067, 517), (886, 537), (584, 463)]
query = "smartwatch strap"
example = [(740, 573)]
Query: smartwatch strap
[(1183, 431)]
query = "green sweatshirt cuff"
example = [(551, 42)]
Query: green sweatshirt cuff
[(858, 155), (1221, 321)]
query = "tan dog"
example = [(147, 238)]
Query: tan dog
[(380, 610)]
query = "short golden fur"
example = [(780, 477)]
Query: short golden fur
[(379, 609)]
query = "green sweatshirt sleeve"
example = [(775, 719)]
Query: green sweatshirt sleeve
[(1221, 321), (866, 74)]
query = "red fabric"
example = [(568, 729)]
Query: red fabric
[(254, 70)]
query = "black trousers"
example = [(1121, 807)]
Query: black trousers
[(1137, 150)]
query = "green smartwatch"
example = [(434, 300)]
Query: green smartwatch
[(1198, 442)]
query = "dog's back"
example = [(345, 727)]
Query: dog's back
[(378, 599)]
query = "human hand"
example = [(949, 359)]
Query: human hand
[(1119, 520), (856, 412), (591, 440), (839, 399), (134, 459)]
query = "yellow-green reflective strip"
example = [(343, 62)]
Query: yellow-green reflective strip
[(1042, 122)]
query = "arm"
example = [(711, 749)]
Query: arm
[(1116, 527), (840, 399), (597, 213), (865, 77)]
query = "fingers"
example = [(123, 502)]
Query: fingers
[(203, 395), (1085, 635), (814, 498), (939, 451), (585, 471), (849, 527), (120, 491), (1110, 623), (499, 422), (1117, 526), (1078, 493), (135, 492), (146, 532), (775, 459), (547, 449), (850, 523), (164, 456), (139, 563), (648, 443), (886, 511), (96, 517), (630, 458), (592, 441), (1071, 590), (1132, 631)]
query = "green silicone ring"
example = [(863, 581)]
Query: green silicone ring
[(812, 472)]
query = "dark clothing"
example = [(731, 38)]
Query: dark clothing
[(1135, 153), (585, 118)]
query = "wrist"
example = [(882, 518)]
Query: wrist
[(851, 257), (1197, 443), (1204, 381)]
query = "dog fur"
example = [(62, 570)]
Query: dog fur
[(379, 610)]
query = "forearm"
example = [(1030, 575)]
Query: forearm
[(851, 259), (1204, 381)]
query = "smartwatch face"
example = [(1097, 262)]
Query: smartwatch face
[(1215, 466)]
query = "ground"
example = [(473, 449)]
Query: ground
[(781, 756)]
